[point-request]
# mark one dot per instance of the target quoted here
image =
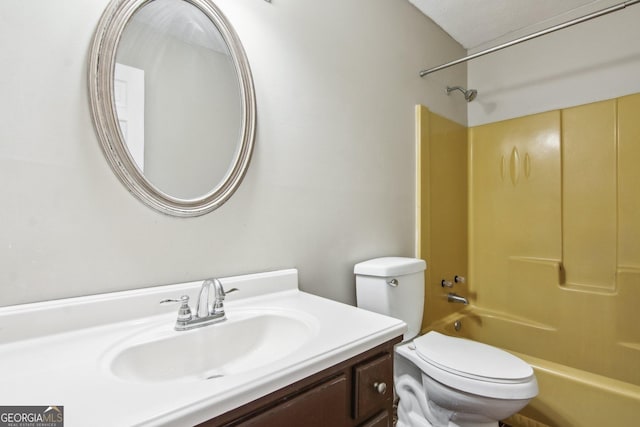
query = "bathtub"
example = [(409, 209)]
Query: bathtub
[(568, 397)]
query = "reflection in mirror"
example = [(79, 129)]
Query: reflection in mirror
[(191, 98), (173, 102)]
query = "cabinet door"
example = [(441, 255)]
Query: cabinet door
[(322, 406), (380, 420), (373, 386)]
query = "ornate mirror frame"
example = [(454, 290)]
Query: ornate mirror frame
[(101, 92)]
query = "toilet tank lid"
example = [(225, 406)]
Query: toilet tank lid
[(390, 266)]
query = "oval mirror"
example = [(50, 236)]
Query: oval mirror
[(173, 102)]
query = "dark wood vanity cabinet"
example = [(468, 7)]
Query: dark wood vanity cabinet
[(355, 393)]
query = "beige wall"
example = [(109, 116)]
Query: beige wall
[(331, 181), (592, 61)]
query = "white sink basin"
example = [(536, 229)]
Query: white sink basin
[(247, 340)]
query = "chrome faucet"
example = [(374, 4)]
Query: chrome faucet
[(209, 313), (215, 308), (452, 297)]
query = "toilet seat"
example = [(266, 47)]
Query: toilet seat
[(471, 366), (471, 359)]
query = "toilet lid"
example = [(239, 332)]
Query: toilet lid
[(471, 359)]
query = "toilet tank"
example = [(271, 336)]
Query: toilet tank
[(393, 286)]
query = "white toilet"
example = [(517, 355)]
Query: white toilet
[(441, 381)]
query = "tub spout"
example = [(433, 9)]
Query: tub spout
[(452, 297)]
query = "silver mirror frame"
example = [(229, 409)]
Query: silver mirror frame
[(101, 92)]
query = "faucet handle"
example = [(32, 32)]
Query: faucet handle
[(184, 299), (218, 304), (224, 293), (184, 312), (446, 284)]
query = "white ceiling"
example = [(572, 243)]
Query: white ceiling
[(475, 23)]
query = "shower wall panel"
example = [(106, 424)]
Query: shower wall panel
[(442, 196), (554, 234)]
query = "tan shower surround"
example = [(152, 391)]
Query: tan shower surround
[(553, 251)]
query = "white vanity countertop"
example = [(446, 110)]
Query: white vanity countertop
[(59, 352)]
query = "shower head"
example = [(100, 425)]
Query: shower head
[(469, 94)]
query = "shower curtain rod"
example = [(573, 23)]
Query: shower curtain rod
[(531, 36)]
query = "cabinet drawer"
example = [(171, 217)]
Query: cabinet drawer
[(373, 385)]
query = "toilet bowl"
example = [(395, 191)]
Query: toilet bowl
[(464, 383), (441, 381)]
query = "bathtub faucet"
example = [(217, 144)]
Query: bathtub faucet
[(452, 297)]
